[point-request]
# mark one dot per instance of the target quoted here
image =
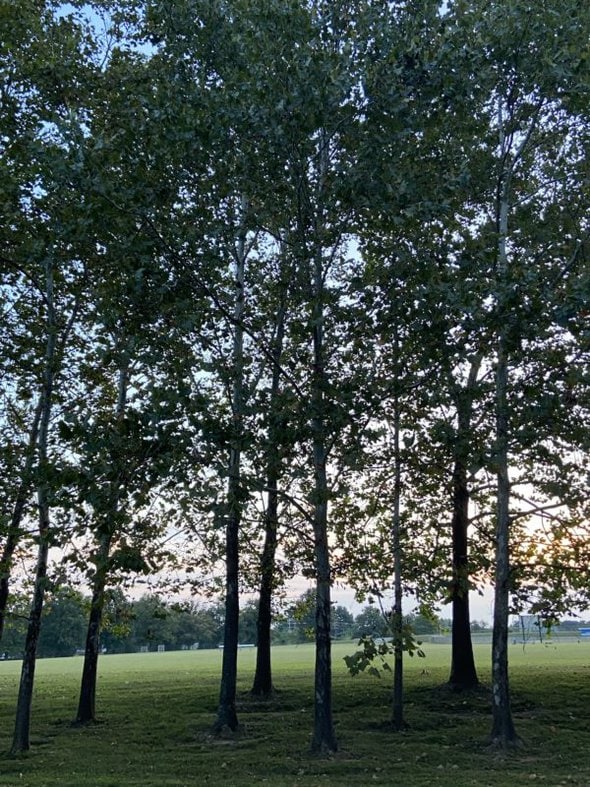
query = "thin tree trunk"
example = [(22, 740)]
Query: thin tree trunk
[(21, 739), (14, 532), (397, 717), (324, 737), (12, 541), (262, 685), (503, 732), (226, 712), (22, 724), (87, 700)]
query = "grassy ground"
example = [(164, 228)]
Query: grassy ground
[(157, 710)]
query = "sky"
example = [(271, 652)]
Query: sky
[(481, 607)]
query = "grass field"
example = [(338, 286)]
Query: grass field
[(157, 709)]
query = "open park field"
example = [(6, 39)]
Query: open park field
[(157, 709)]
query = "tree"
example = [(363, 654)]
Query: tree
[(60, 314), (318, 169), (303, 613), (16, 626), (127, 437), (64, 223), (342, 622), (370, 623), (523, 102), (31, 100), (277, 415), (249, 623), (399, 216), (63, 624)]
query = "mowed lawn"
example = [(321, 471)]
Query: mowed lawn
[(156, 712)]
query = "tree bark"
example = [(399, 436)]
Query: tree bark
[(262, 685), (12, 540), (226, 712), (324, 738), (87, 700), (463, 675), (22, 724), (397, 716), (503, 732)]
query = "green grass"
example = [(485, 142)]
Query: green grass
[(157, 709)]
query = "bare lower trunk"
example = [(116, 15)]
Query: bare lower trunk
[(398, 721), (397, 716), (226, 711), (87, 700), (463, 673), (324, 738), (22, 724), (262, 685), (10, 546), (503, 732)]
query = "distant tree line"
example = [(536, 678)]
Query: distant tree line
[(132, 625)]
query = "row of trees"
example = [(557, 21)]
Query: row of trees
[(296, 287), (129, 626)]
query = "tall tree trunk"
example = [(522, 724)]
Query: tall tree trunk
[(21, 741), (503, 732), (397, 717), (324, 737), (463, 672), (226, 711), (262, 685), (87, 700)]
